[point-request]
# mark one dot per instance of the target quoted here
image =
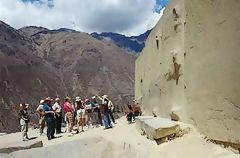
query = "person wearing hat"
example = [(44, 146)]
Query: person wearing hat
[(109, 103), (96, 112), (136, 110), (129, 113), (49, 113), (58, 115), (24, 119), (80, 114), (105, 111), (42, 120), (68, 109), (88, 112)]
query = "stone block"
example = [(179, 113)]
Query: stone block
[(157, 128)]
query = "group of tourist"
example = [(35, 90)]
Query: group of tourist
[(94, 112)]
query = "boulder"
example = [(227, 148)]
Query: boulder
[(139, 123), (15, 146), (157, 128)]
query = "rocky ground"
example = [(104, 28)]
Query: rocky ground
[(121, 141)]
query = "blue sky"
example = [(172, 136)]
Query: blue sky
[(129, 17)]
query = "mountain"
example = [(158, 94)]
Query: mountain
[(133, 44), (89, 66), (24, 76), (37, 62)]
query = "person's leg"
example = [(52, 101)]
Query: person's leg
[(133, 116), (60, 123), (100, 118), (108, 121), (111, 115), (48, 121), (23, 129), (105, 120), (40, 126), (52, 127), (26, 131), (56, 124)]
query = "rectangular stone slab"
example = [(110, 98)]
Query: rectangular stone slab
[(139, 123), (15, 146), (156, 128), (159, 128)]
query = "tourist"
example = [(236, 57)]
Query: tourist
[(49, 116), (105, 112), (24, 119), (96, 112), (58, 116), (80, 114), (109, 103), (136, 110), (88, 112), (41, 122), (129, 113), (68, 109)]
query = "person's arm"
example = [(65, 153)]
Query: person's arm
[(99, 97), (23, 115)]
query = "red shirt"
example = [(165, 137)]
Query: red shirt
[(67, 107)]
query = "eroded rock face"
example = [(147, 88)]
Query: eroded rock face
[(190, 67)]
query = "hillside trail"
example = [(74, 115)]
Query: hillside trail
[(122, 141)]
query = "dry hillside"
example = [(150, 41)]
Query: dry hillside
[(40, 62)]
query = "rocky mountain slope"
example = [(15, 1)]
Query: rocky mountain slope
[(24, 76), (37, 62), (133, 44)]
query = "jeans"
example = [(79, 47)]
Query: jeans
[(50, 126), (106, 120)]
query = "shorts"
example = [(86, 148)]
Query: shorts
[(42, 121), (80, 113), (69, 117)]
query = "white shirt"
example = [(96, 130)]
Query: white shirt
[(40, 107), (57, 107)]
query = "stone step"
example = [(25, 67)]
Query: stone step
[(156, 128), (15, 146)]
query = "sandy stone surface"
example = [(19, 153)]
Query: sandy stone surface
[(122, 141)]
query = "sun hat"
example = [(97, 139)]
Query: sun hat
[(57, 99), (48, 99), (104, 96), (24, 105), (41, 101), (78, 98), (67, 98)]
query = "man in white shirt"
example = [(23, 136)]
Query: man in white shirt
[(58, 115)]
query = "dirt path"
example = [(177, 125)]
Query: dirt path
[(123, 141)]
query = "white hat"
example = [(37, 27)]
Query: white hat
[(26, 105), (94, 97), (78, 98), (57, 99), (104, 96), (41, 101), (48, 99), (86, 100)]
